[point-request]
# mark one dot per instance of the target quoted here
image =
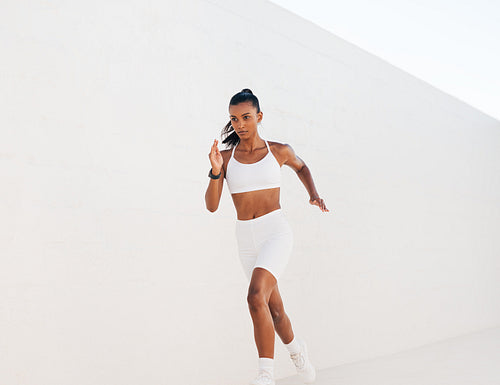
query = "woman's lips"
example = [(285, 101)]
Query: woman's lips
[(242, 132)]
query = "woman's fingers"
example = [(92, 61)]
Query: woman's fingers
[(214, 146), (214, 155), (214, 150), (320, 203)]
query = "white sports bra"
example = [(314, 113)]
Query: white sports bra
[(263, 174)]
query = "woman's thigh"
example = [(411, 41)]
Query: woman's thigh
[(275, 253), (262, 283)]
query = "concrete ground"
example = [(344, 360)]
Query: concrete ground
[(473, 359)]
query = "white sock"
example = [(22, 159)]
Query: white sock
[(266, 364), (293, 346)]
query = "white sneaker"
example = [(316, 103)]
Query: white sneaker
[(304, 367), (264, 378)]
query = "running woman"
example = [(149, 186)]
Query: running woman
[(252, 168)]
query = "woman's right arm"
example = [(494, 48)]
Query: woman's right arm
[(214, 189)]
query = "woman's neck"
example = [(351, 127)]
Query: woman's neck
[(251, 144)]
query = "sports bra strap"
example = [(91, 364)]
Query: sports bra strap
[(232, 150)]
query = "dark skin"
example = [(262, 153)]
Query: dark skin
[(264, 299)]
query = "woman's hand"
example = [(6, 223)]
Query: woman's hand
[(215, 158), (319, 202)]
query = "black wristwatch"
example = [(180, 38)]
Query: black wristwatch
[(214, 176)]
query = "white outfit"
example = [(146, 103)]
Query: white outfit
[(265, 241), (242, 177)]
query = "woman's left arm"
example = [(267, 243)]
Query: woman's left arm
[(304, 174)]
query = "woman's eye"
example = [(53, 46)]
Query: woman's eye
[(247, 116)]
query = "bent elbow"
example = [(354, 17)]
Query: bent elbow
[(212, 209)]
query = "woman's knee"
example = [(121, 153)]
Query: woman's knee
[(256, 299)]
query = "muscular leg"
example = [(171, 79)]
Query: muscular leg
[(281, 321), (259, 291)]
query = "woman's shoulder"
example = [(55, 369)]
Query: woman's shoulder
[(225, 153), (276, 144), (278, 147), (280, 151)]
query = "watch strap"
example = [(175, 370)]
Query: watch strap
[(214, 176)]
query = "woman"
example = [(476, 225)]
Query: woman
[(252, 171)]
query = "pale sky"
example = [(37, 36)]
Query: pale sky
[(452, 45)]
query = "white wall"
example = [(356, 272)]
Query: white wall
[(112, 269)]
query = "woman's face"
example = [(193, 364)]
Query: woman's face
[(244, 119)]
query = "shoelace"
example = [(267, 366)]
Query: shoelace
[(263, 375), (298, 359)]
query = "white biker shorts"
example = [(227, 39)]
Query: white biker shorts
[(265, 242)]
